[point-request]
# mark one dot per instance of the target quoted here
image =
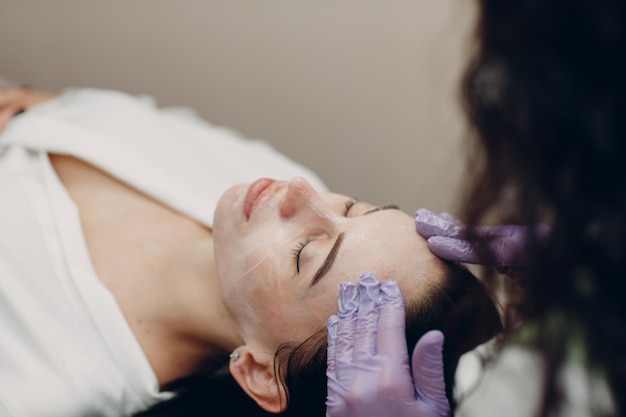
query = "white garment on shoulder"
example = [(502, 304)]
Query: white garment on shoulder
[(511, 384), (170, 154), (65, 347)]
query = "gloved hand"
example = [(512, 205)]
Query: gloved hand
[(446, 238), (368, 363)]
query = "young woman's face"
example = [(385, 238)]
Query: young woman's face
[(282, 249)]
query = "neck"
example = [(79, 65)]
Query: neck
[(180, 320), (159, 266)]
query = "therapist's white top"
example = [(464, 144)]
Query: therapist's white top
[(65, 347), (510, 382)]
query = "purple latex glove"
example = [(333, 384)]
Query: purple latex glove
[(368, 363), (446, 238)]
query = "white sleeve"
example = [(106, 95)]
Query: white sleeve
[(172, 155)]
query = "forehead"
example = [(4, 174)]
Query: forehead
[(386, 243)]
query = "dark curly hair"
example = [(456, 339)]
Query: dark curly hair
[(545, 92)]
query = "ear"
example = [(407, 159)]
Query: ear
[(254, 372)]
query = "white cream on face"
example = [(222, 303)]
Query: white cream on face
[(273, 303)]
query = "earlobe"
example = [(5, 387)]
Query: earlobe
[(254, 372)]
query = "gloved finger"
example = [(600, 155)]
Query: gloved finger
[(521, 232), (390, 339), (367, 317), (450, 218), (501, 231), (346, 327), (429, 224), (331, 326), (453, 249), (500, 251), (427, 363)]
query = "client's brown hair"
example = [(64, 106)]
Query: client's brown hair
[(454, 307)]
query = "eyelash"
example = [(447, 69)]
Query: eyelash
[(297, 251)]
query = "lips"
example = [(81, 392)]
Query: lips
[(254, 194)]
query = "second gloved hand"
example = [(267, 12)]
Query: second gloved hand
[(446, 237), (368, 362)]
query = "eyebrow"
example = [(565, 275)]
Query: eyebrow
[(332, 255), (379, 208)]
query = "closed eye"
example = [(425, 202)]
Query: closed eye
[(385, 207), (297, 251)]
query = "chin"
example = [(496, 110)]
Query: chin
[(230, 205), (228, 217)]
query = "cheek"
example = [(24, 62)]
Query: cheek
[(245, 271), (254, 281), (294, 320), (250, 258)]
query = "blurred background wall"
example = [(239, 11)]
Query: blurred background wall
[(365, 92)]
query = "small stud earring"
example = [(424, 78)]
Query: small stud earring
[(234, 356)]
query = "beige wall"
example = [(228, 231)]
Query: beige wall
[(362, 91)]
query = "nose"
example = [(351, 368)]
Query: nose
[(301, 198)]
